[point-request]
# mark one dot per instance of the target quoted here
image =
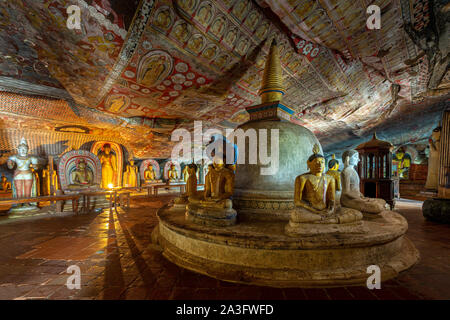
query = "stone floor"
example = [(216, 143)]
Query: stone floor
[(118, 261)]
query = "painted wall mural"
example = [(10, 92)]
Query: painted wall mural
[(186, 60)]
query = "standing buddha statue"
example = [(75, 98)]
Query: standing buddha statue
[(131, 175), (109, 167), (49, 180)]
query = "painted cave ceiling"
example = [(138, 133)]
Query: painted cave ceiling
[(137, 70)]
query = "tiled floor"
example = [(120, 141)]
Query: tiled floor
[(118, 261)]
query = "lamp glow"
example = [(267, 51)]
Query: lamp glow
[(110, 186)]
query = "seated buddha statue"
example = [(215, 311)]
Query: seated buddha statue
[(81, 176), (149, 173), (314, 196), (214, 206), (351, 197), (191, 186), (172, 174)]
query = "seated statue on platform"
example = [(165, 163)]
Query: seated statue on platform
[(351, 196), (314, 196), (81, 177), (172, 174), (333, 170), (191, 186), (214, 206), (149, 173)]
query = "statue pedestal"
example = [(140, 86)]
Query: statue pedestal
[(23, 210), (210, 216), (437, 209), (260, 253)]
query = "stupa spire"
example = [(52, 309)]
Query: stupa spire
[(272, 84)]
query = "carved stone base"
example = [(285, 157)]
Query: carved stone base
[(210, 216), (259, 252), (308, 229), (23, 210)]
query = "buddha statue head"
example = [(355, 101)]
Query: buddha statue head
[(131, 162), (81, 166), (350, 158), (316, 162), (22, 148), (106, 148), (218, 162), (436, 134), (333, 164)]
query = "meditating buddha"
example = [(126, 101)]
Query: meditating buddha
[(81, 176), (314, 198), (214, 206), (351, 197), (172, 174), (149, 173), (191, 186)]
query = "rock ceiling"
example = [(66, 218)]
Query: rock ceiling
[(140, 69)]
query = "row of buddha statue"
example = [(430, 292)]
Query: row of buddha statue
[(314, 196)]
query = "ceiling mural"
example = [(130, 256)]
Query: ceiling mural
[(140, 69)]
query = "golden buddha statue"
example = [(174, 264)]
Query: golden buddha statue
[(81, 176), (333, 170), (36, 179), (191, 186), (149, 173), (185, 173), (6, 185), (351, 197), (172, 174), (49, 180), (314, 198), (214, 206), (109, 167), (131, 175)]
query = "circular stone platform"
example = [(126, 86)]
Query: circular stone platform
[(259, 252)]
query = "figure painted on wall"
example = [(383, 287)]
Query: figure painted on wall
[(116, 104), (131, 175), (154, 70), (24, 184), (49, 180), (6, 185), (404, 162), (109, 167), (433, 161), (204, 15), (187, 5), (181, 32), (230, 38), (218, 26), (196, 43), (163, 19)]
